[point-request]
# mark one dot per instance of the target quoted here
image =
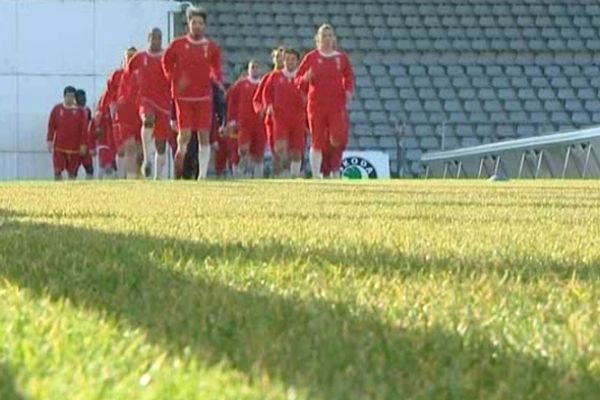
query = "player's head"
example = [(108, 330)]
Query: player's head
[(291, 59), (155, 39), (196, 18), (325, 37), (69, 95), (129, 53), (80, 97), (277, 57), (254, 69)]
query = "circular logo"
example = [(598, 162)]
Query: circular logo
[(358, 168)]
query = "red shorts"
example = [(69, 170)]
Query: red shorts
[(128, 124), (194, 115), (328, 126), (253, 137), (292, 133), (269, 125), (86, 161), (227, 154), (65, 162), (106, 157), (162, 121)]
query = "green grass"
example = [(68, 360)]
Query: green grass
[(293, 290)]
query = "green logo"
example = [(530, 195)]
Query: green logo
[(358, 168)]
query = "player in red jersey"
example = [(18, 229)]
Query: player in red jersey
[(285, 104), (260, 107), (87, 160), (124, 116), (104, 145), (66, 135), (330, 79), (248, 123), (153, 101), (190, 63)]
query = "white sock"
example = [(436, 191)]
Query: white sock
[(316, 159), (147, 146), (121, 170), (159, 165), (235, 171), (335, 175), (295, 169), (203, 161), (259, 170)]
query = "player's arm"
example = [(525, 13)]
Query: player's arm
[(268, 95), (82, 132), (232, 104), (304, 73), (348, 77), (216, 72), (52, 125), (257, 100), (169, 60)]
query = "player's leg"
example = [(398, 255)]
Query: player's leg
[(203, 120), (72, 165), (161, 134), (244, 141), (58, 164), (338, 140), (318, 129), (184, 111), (147, 138), (280, 148), (233, 155), (129, 148), (296, 149), (257, 152)]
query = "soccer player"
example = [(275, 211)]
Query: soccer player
[(285, 105), (87, 160), (190, 63), (66, 135), (248, 123), (105, 147), (154, 101), (123, 115), (330, 79), (260, 107)]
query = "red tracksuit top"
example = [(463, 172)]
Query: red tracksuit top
[(240, 109), (153, 84), (189, 66), (332, 78), (110, 94), (67, 128), (282, 93)]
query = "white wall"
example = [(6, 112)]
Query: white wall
[(49, 44)]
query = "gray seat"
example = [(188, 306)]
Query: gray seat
[(452, 106), (507, 94), (532, 105), (430, 143), (527, 94), (538, 117), (427, 94), (581, 118), (492, 106), (524, 130), (592, 106), (447, 94), (424, 130), (393, 106), (573, 105), (473, 105), (373, 105), (358, 117), (418, 117), (566, 94), (506, 131), (378, 117)]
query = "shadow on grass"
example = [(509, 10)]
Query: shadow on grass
[(322, 347), (8, 389)]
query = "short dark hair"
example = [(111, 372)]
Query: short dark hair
[(277, 50), (292, 51), (80, 92), (192, 12), (153, 31), (69, 89)]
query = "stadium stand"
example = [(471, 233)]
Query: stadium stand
[(481, 70)]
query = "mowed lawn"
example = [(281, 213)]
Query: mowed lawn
[(300, 290)]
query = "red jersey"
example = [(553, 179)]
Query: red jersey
[(240, 107), (105, 140), (332, 79), (153, 84), (67, 128), (110, 94), (190, 65), (258, 100), (283, 95), (90, 136)]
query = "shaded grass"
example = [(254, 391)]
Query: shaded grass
[(262, 313)]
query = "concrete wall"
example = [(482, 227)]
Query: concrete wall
[(49, 44)]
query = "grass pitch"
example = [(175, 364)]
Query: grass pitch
[(300, 290)]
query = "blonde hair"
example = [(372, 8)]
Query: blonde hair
[(320, 31)]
